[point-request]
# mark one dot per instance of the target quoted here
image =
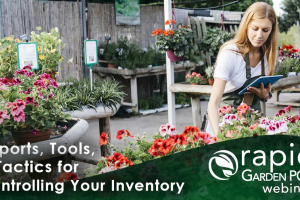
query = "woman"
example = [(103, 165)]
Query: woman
[(251, 53)]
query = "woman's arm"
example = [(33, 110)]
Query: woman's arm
[(214, 104)]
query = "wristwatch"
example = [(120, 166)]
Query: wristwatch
[(265, 100)]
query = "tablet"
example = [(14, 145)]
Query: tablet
[(264, 79)]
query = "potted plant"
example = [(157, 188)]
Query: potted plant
[(288, 62), (8, 57), (174, 42), (28, 107), (214, 39), (50, 46), (210, 74), (194, 78)]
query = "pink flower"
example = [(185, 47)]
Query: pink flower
[(8, 105), (16, 81), (228, 119), (35, 104), (3, 86), (5, 81), (51, 95), (29, 100), (172, 130), (29, 74), (20, 103), (213, 140), (41, 95), (34, 131), (53, 83), (287, 109), (20, 117), (229, 134), (45, 76), (3, 115), (163, 130), (205, 137), (39, 83), (27, 67), (21, 71), (27, 91)]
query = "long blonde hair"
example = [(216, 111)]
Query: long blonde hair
[(258, 10)]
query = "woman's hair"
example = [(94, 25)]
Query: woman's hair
[(258, 10)]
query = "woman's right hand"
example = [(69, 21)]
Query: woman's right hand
[(214, 104)]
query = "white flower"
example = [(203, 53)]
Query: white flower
[(56, 29)]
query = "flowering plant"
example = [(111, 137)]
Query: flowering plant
[(50, 46), (245, 123), (166, 142), (287, 61), (28, 103), (210, 72), (194, 78), (8, 56), (175, 40)]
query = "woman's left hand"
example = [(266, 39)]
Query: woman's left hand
[(261, 92)]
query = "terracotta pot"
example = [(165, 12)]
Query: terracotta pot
[(23, 137), (173, 57), (195, 83), (211, 81), (53, 75), (10, 79), (111, 66)]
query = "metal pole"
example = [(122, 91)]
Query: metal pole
[(1, 22), (170, 70), (83, 34)]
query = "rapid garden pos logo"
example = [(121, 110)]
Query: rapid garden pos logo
[(224, 160)]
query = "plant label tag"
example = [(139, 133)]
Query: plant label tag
[(27, 55)]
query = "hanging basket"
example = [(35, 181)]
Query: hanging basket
[(23, 137), (173, 57)]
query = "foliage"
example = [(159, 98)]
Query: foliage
[(143, 104), (132, 56), (128, 8), (214, 39), (155, 102), (176, 40), (50, 46), (76, 94), (210, 72), (194, 78), (244, 5), (8, 56), (182, 99), (29, 103), (290, 37), (291, 14)]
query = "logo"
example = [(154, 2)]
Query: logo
[(224, 159)]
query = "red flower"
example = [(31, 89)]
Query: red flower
[(213, 140), (165, 147), (103, 139), (120, 134), (29, 100), (128, 134), (67, 176)]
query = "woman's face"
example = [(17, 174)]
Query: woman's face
[(259, 31)]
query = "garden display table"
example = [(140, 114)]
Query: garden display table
[(195, 91), (68, 139), (103, 115), (285, 84), (142, 72)]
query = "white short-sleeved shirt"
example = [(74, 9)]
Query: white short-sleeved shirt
[(231, 67)]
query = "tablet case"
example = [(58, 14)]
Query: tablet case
[(264, 79)]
